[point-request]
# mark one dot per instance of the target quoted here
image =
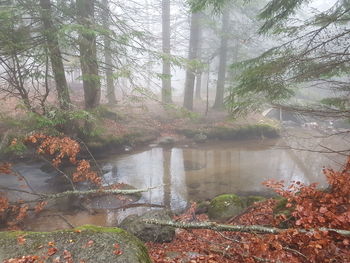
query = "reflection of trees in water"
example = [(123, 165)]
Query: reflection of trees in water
[(166, 177)]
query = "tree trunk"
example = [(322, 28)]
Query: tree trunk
[(88, 57), (220, 87), (198, 86), (199, 72), (166, 80), (192, 54), (50, 33), (108, 55)]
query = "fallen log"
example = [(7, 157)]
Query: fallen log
[(238, 228)]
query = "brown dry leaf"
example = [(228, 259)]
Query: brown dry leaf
[(51, 251), (21, 240)]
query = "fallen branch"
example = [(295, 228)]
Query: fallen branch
[(77, 192), (238, 228)]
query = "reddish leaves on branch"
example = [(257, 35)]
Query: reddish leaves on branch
[(61, 148), (315, 208), (57, 147)]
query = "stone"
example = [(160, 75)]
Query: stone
[(200, 138), (87, 243), (149, 232), (224, 207), (167, 140)]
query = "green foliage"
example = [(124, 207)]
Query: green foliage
[(199, 5), (277, 11), (180, 112), (316, 55), (338, 103), (17, 148)]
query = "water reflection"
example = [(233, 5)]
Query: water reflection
[(185, 174)]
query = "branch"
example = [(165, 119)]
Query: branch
[(95, 191), (77, 192), (238, 228)]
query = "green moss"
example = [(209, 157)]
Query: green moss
[(225, 206), (74, 241), (235, 133)]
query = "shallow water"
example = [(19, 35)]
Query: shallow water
[(181, 175), (201, 173)]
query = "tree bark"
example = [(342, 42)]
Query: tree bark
[(192, 54), (198, 86), (200, 71), (166, 80), (220, 87), (88, 57), (108, 55), (50, 33), (238, 228)]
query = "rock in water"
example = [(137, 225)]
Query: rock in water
[(87, 243), (167, 140), (224, 207), (148, 232)]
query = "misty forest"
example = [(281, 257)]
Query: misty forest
[(174, 131)]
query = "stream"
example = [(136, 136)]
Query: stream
[(181, 174)]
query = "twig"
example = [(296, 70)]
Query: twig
[(61, 172), (295, 251)]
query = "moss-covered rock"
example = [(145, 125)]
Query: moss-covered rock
[(149, 232), (202, 207), (224, 207), (78, 243), (253, 131)]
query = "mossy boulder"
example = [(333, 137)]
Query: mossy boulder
[(253, 131), (87, 243), (149, 232), (224, 207)]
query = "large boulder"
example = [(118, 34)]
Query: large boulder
[(84, 244), (149, 232), (224, 207)]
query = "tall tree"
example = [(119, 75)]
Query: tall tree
[(192, 55), (315, 56), (220, 85), (88, 56), (166, 79), (50, 33), (108, 54), (199, 72)]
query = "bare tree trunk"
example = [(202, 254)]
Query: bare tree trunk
[(220, 88), (199, 72), (166, 80), (192, 54), (88, 57), (198, 86), (50, 33), (108, 55)]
